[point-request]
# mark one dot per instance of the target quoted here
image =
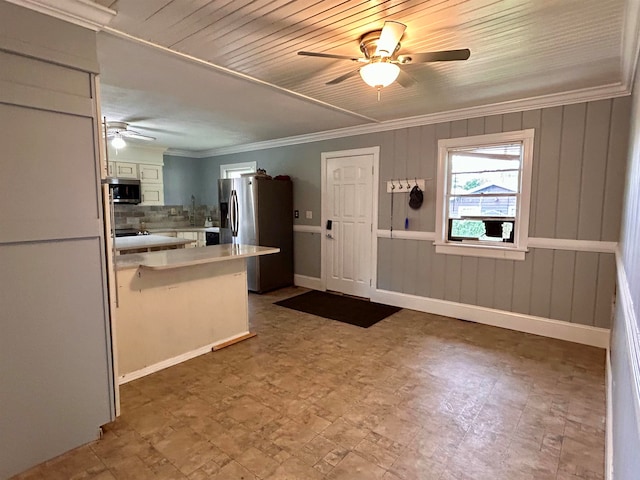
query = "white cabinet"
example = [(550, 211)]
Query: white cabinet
[(151, 174), (198, 237), (202, 239), (189, 236), (126, 170), (151, 184), (122, 170), (152, 194)]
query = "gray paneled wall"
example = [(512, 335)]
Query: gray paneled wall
[(630, 239), (306, 248), (56, 377), (576, 287), (625, 401), (578, 169), (577, 183)]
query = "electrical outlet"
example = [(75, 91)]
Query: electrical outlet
[(296, 214), (309, 214)]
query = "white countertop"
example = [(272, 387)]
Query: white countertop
[(184, 229), (147, 241), (191, 256)]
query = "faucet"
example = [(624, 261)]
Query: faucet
[(192, 216)]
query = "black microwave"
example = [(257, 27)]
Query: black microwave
[(124, 190)]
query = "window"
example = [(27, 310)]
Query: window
[(484, 185), (235, 170)]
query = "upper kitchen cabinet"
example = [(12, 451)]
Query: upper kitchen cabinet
[(140, 163), (151, 174), (123, 170)]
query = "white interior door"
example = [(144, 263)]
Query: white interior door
[(347, 223)]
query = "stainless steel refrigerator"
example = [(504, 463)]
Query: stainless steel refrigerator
[(261, 210)]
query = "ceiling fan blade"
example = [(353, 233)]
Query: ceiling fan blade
[(136, 135), (341, 78), (389, 38), (331, 55), (443, 56), (405, 80)]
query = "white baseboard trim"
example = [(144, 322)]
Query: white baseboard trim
[(314, 283), (572, 332), (169, 362), (608, 446)]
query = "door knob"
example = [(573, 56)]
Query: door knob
[(329, 236)]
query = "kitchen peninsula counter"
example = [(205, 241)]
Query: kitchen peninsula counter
[(174, 305), (149, 243), (195, 256), (183, 229)]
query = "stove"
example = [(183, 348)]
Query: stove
[(129, 232)]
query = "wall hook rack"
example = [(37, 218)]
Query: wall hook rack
[(405, 185)]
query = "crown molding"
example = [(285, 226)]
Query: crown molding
[(531, 103), (176, 152), (84, 13)]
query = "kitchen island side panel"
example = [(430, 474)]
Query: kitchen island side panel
[(168, 314)]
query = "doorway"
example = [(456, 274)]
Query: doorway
[(349, 213)]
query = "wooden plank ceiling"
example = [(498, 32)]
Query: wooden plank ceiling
[(519, 48)]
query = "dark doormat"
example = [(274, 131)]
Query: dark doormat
[(361, 313)]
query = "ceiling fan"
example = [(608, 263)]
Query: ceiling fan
[(118, 131), (382, 61)]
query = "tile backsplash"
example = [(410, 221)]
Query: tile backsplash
[(165, 216)]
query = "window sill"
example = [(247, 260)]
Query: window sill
[(484, 251)]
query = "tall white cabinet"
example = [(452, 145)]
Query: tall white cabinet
[(56, 374), (142, 163)]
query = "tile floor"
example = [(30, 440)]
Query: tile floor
[(414, 397)]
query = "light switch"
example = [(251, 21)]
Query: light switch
[(309, 214)]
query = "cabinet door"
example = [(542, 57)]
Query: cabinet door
[(189, 236), (202, 239), (152, 194), (126, 170), (150, 173)]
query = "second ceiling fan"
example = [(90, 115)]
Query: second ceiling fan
[(382, 60)]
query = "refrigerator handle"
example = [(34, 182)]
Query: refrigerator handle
[(233, 214)]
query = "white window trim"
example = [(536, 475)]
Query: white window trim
[(517, 250), (224, 169)]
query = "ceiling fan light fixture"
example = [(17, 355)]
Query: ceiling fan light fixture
[(118, 142), (379, 74)]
